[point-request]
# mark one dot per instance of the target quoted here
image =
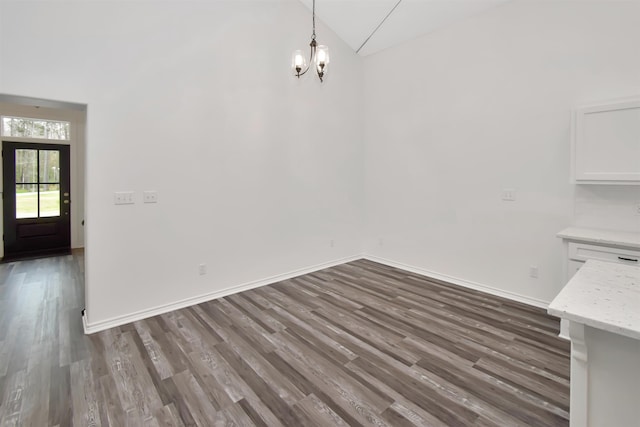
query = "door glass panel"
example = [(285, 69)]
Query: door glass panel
[(26, 166), (49, 200), (50, 166), (26, 201)]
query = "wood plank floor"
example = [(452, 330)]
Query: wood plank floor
[(357, 344)]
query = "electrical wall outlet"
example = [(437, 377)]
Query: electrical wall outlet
[(202, 269), (533, 272), (509, 194), (150, 196)]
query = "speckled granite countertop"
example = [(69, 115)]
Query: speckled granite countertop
[(604, 295), (603, 237)]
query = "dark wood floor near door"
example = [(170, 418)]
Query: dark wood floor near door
[(357, 344)]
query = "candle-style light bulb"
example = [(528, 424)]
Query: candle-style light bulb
[(298, 62), (322, 60)]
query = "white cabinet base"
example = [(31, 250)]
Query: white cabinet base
[(579, 392), (564, 329), (605, 373)]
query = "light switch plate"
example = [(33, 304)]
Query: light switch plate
[(123, 198)]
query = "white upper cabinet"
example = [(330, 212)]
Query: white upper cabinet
[(606, 143)]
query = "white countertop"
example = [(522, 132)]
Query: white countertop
[(604, 295), (627, 239)]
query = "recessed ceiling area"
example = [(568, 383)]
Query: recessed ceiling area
[(362, 24)]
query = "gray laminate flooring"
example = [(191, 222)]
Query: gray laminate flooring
[(357, 344)]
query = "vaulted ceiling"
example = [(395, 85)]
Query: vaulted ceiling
[(362, 24)]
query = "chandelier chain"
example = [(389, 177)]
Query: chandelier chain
[(313, 36)]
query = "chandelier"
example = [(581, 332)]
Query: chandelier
[(319, 56)]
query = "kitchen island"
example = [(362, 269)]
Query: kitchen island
[(602, 304)]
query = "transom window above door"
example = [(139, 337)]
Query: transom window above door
[(25, 127)]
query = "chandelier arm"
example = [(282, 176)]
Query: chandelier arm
[(302, 73), (312, 56)]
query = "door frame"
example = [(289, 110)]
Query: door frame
[(77, 120)]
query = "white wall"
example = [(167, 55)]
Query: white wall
[(256, 171), (607, 206), (454, 117), (2, 19)]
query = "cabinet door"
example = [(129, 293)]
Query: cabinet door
[(606, 143)]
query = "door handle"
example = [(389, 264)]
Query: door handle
[(66, 202)]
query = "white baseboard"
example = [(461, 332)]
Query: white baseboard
[(90, 328), (84, 322), (461, 282)]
